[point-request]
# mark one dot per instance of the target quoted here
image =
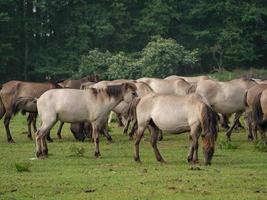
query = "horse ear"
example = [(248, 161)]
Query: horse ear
[(132, 86)]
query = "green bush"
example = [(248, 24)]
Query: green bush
[(159, 58), (77, 150), (23, 166)]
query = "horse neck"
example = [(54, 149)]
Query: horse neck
[(111, 102)]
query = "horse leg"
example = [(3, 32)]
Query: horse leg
[(139, 135), (126, 127), (59, 130), (34, 120), (41, 135), (248, 122), (154, 138), (134, 128), (48, 137), (225, 121), (29, 122), (160, 137), (193, 149), (6, 123), (255, 131), (229, 131), (96, 140), (119, 118), (106, 133)]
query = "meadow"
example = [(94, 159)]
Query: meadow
[(238, 171)]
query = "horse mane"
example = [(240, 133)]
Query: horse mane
[(114, 90), (60, 80), (209, 122), (91, 78)]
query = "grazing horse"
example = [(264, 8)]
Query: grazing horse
[(11, 96), (93, 106), (254, 112), (177, 114), (178, 86), (226, 97)]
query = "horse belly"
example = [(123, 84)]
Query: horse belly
[(173, 124), (72, 113)]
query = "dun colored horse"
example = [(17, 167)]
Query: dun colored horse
[(93, 106), (226, 97), (177, 114), (254, 103), (177, 86)]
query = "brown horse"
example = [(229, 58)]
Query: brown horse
[(12, 94), (76, 84), (93, 106), (254, 112), (177, 114)]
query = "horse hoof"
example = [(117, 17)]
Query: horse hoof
[(30, 137), (38, 154), (97, 154), (160, 138), (45, 153), (130, 138), (162, 161), (137, 159), (50, 140), (195, 161), (189, 160), (11, 141)]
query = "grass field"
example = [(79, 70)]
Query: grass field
[(239, 173)]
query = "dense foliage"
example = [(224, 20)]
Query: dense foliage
[(61, 38)]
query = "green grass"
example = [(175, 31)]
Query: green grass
[(239, 173), (237, 73)]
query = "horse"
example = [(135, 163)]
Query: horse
[(226, 97), (76, 83), (254, 110), (178, 86), (177, 114), (192, 79), (122, 109), (93, 106), (12, 94)]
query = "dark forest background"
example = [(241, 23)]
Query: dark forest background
[(53, 39)]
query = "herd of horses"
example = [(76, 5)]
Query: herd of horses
[(175, 104)]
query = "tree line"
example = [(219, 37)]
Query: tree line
[(55, 39)]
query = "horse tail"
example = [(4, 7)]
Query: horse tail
[(132, 108), (245, 99), (20, 103), (257, 113), (209, 123)]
